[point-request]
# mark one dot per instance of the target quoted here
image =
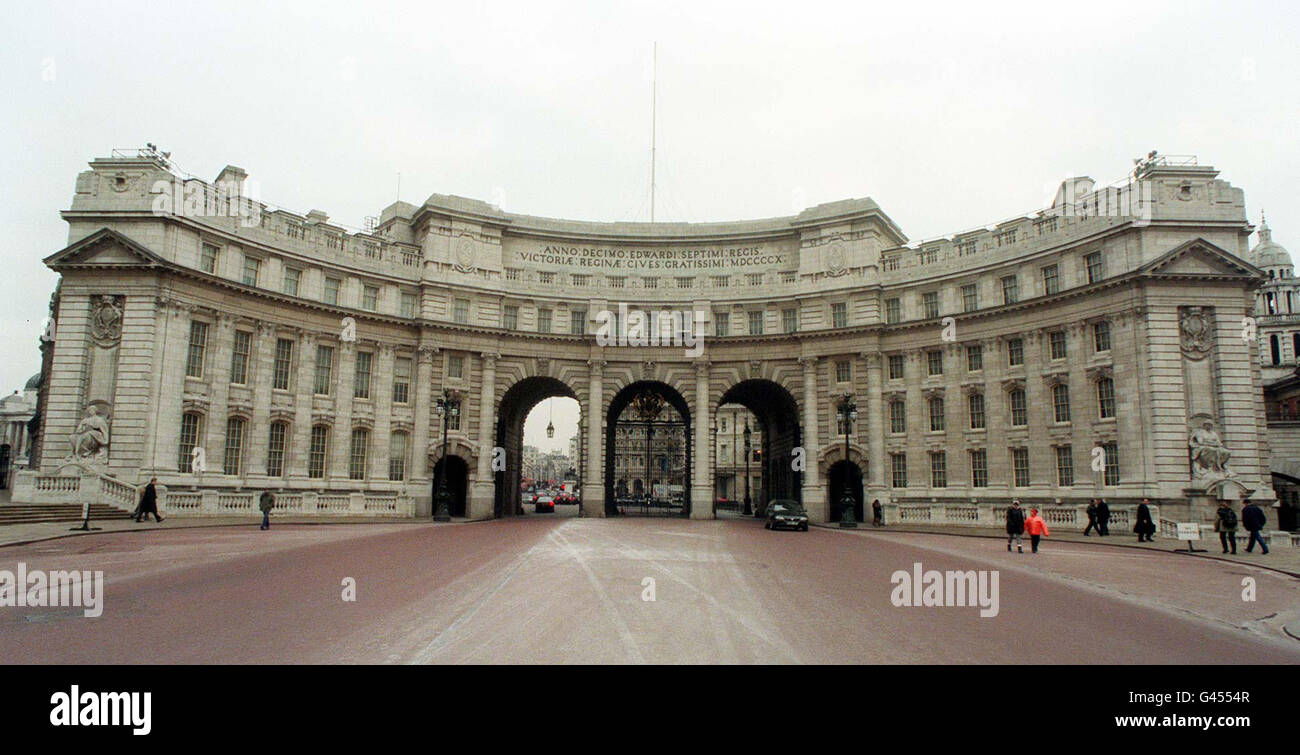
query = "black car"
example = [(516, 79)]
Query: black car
[(786, 514)]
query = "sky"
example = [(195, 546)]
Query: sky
[(950, 116)]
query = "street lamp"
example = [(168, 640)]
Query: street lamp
[(749, 511), (848, 412), (448, 407)]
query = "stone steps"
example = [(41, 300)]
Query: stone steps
[(20, 513)]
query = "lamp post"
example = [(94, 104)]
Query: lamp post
[(749, 511), (448, 407), (582, 425), (848, 412)]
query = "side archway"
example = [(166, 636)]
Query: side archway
[(780, 434)]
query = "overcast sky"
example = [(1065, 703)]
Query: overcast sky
[(949, 116)]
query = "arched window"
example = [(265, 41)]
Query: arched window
[(233, 463), (275, 449), (191, 427), (316, 455)]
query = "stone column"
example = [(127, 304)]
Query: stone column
[(421, 414), (702, 479), (814, 491), (169, 387), (221, 341), (261, 364), (877, 470), (381, 389), (299, 448), (483, 492), (341, 443), (593, 476)]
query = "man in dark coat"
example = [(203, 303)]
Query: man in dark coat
[(266, 503), (1092, 518), (877, 514), (1103, 518), (1144, 527), (1253, 519), (149, 502), (1015, 526)]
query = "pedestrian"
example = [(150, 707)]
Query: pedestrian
[(266, 503), (1015, 526), (1145, 527), (148, 502), (877, 513), (1225, 523), (1253, 519), (1036, 528), (1092, 518), (1103, 517)]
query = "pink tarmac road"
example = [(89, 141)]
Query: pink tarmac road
[(542, 589)]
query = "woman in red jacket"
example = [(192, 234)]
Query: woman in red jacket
[(1036, 528)]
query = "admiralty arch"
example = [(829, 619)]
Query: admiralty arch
[(1096, 347)]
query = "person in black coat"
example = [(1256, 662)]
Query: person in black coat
[(877, 514), (1015, 526), (1145, 527), (149, 502), (1253, 519), (1103, 518), (1092, 518)]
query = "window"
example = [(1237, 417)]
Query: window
[(756, 323), (685, 282), (897, 416), (239, 357), (275, 450), (839, 315), (577, 321), (580, 279), (1015, 352), (1096, 267), (720, 281), (790, 320), (546, 277), (1110, 454), (1101, 336), (722, 323), (1064, 466), (1061, 403), (938, 469), (408, 304), (289, 284), (324, 370), (460, 311), (1106, 398), (361, 381), (544, 321), (979, 468), (510, 317), (936, 415), (897, 366), (316, 453), (234, 461), (208, 258), (754, 279), (283, 362), (401, 380), (1020, 467), (332, 286), (357, 454), (370, 298), (970, 300), (618, 281), (513, 274), (1010, 289), (843, 372), (397, 457), (650, 283), (930, 305), (975, 407), (1051, 280), (974, 358), (190, 424), (934, 362), (1019, 413), (966, 248), (893, 311), (455, 366), (1005, 238), (198, 345), (252, 267), (1056, 343), (898, 470)]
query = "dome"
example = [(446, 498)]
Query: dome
[(1268, 252), (33, 383)]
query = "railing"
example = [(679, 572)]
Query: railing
[(184, 502), (58, 484), (123, 493), (334, 504), (914, 513), (376, 504), (240, 502), (961, 514), (288, 503)]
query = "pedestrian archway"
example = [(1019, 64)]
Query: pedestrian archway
[(773, 451), (840, 474), (648, 440), (515, 407)]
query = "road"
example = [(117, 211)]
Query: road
[(558, 589)]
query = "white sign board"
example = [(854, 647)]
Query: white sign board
[(1189, 531)]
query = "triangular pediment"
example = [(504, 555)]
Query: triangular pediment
[(1199, 257), (103, 248)]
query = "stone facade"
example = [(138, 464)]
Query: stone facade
[(1093, 348)]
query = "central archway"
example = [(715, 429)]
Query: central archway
[(652, 421), (779, 435), (517, 402)]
